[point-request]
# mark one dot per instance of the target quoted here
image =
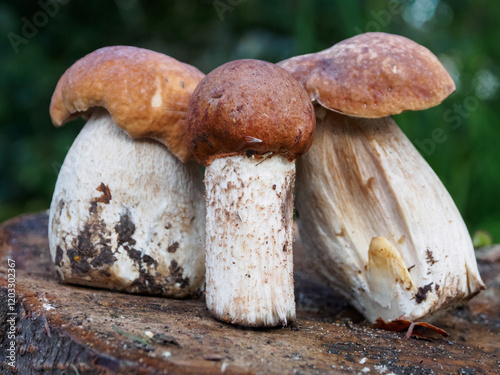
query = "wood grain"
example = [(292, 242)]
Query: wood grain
[(64, 329)]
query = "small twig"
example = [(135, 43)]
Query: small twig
[(46, 326), (410, 331), (74, 368), (251, 139), (130, 336), (264, 157)]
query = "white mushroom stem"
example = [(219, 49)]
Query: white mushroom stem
[(378, 222), (127, 215), (249, 240)]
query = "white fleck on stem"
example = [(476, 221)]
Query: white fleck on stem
[(127, 214), (249, 240), (378, 222)]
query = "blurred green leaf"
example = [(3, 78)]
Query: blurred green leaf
[(481, 238)]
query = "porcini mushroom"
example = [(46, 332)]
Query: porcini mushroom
[(248, 120), (126, 213), (376, 220)]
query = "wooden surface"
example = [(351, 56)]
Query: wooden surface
[(63, 329)]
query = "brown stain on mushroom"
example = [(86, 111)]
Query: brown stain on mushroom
[(369, 183), (60, 206), (105, 198), (91, 248), (341, 233), (430, 257), (146, 284), (89, 255), (56, 220), (83, 249), (106, 194), (287, 202), (125, 229), (176, 273), (173, 248), (105, 256), (149, 261), (146, 281), (421, 294), (59, 256)]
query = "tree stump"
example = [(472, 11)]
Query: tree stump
[(52, 328)]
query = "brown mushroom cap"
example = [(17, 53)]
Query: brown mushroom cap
[(249, 107), (373, 75), (147, 93)]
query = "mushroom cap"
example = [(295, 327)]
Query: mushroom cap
[(147, 93), (249, 107), (373, 75)]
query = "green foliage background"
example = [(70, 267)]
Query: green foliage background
[(463, 34)]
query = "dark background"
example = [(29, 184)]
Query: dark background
[(460, 138)]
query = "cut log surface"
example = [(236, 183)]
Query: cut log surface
[(65, 329)]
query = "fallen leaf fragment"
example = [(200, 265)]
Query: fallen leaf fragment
[(400, 324)]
